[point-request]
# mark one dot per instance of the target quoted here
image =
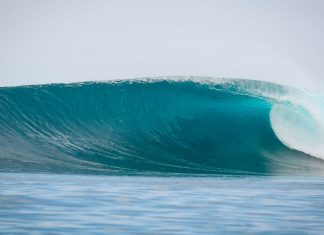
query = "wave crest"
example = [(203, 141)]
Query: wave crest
[(157, 126)]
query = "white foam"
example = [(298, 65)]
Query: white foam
[(299, 123)]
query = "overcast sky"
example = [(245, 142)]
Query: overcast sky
[(44, 41)]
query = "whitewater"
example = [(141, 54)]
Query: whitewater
[(162, 126)]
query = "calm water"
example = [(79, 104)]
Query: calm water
[(60, 204)]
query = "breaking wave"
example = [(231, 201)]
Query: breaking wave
[(162, 126)]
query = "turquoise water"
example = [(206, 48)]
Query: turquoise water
[(165, 156), (61, 204), (154, 127)]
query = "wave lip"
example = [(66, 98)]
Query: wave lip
[(187, 126), (297, 129)]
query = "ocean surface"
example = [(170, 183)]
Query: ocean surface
[(83, 204), (181, 155)]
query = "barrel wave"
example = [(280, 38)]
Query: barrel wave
[(162, 126)]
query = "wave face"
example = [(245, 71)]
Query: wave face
[(186, 126)]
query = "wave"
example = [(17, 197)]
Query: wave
[(162, 126)]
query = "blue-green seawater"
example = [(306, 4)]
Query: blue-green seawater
[(161, 127), (165, 156)]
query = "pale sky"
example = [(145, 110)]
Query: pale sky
[(44, 41)]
